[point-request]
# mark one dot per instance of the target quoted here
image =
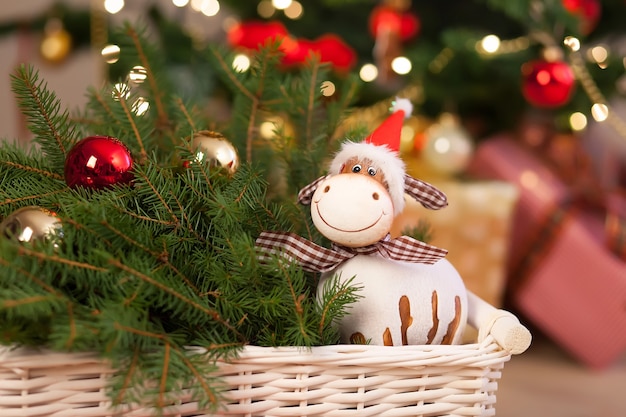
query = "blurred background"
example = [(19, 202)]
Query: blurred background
[(520, 117)]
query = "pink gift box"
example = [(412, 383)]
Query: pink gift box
[(562, 276), (576, 293), (540, 190)]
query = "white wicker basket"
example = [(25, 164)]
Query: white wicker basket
[(338, 380)]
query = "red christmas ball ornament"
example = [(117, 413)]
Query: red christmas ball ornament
[(252, 34), (297, 51), (330, 48), (385, 18), (334, 50), (98, 162), (547, 84), (588, 11)]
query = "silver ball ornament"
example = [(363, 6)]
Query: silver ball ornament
[(215, 149), (30, 224)]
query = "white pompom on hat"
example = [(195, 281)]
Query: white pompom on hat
[(382, 148)]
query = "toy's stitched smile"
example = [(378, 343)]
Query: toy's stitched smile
[(317, 207)]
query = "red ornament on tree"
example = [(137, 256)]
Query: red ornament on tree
[(391, 24), (588, 10), (331, 48), (334, 50), (252, 34), (387, 19), (98, 162), (547, 84), (297, 53)]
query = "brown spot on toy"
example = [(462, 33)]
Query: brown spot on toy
[(433, 330), (454, 324), (387, 339), (405, 317)]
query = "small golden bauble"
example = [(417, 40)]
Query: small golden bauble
[(30, 224), (56, 43), (449, 147), (214, 148)]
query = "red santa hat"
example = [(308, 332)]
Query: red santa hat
[(382, 148)]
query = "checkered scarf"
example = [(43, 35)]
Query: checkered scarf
[(315, 258)]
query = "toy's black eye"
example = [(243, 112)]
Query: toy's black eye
[(356, 168), (371, 171)]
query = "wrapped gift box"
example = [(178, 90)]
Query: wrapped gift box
[(576, 292), (561, 274), (540, 190)]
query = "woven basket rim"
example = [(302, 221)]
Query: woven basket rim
[(20, 356)]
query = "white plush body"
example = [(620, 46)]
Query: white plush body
[(381, 316), (402, 302)]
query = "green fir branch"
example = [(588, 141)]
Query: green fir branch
[(98, 104), (120, 97), (127, 373), (143, 270), (153, 195), (334, 303), (213, 314), (43, 114), (163, 256), (33, 197), (182, 107), (147, 58), (42, 172), (24, 251)]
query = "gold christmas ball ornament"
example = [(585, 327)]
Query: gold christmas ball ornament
[(448, 148), (30, 224), (214, 148), (56, 42)]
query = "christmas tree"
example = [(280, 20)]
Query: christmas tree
[(442, 42), (130, 231)]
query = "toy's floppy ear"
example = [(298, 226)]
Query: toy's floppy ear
[(428, 195), (306, 194)]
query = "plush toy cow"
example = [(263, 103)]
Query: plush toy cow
[(410, 293)]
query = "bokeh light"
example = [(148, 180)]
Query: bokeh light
[(578, 121), (241, 63), (368, 72), (401, 65), (111, 54), (113, 6), (490, 44), (328, 88)]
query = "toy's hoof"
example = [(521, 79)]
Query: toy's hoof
[(511, 335)]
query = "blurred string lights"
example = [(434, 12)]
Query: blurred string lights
[(241, 61), (292, 9), (577, 57), (489, 46)]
